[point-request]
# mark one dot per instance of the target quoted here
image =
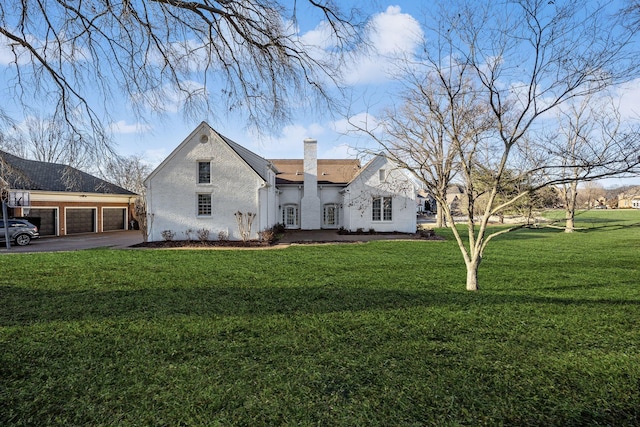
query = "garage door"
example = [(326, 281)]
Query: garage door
[(113, 219), (81, 220), (45, 219)]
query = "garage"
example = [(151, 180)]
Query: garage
[(45, 219), (113, 219), (81, 220)]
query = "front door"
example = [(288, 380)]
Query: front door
[(330, 216)]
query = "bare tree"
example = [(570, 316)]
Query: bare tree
[(512, 64), (588, 135), (128, 172), (593, 195), (421, 142), (245, 55), (49, 140)]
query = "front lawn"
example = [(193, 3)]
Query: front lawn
[(381, 333)]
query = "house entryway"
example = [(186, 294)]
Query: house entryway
[(290, 216), (330, 216)]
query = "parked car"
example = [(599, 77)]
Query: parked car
[(20, 231)]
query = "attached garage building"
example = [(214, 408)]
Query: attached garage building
[(64, 200)]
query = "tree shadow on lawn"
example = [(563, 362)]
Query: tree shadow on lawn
[(24, 306), (527, 232)]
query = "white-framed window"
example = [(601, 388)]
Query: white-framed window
[(382, 175), (204, 172), (382, 209), (204, 204), (290, 216)]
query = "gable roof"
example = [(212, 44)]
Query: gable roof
[(330, 171), (33, 175), (256, 163)]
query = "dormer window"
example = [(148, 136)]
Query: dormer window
[(204, 172)]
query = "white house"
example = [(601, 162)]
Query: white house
[(208, 178)]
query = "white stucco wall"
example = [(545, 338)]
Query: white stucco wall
[(358, 199), (172, 191)]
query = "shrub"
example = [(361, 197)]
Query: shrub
[(267, 235), (223, 235), (168, 235), (426, 233), (279, 228), (188, 233), (203, 235)]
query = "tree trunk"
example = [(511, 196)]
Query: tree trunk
[(569, 225), (472, 275), (439, 216), (570, 206)]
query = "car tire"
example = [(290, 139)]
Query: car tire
[(23, 239)]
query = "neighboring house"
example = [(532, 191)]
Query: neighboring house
[(629, 199), (425, 202), (62, 200), (455, 198), (208, 178)]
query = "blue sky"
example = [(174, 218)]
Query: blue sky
[(367, 76), (397, 27)]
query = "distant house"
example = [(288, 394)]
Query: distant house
[(629, 199), (62, 200), (425, 202), (209, 178)]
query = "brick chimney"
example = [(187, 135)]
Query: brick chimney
[(310, 210)]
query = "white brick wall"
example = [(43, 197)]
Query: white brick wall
[(172, 191)]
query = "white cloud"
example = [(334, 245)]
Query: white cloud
[(354, 123), (628, 97), (390, 35), (122, 127), (172, 99), (340, 151), (53, 50), (321, 36), (154, 157), (289, 144)]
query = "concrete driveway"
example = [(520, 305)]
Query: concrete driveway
[(115, 239)]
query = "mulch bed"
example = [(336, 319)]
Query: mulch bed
[(194, 244), (205, 244)]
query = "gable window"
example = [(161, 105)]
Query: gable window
[(204, 204), (382, 209), (204, 172), (382, 175)]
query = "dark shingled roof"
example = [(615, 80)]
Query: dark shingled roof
[(22, 174), (259, 164)]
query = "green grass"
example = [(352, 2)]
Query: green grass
[(381, 333)]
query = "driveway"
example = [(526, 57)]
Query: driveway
[(115, 239)]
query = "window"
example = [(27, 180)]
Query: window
[(204, 204), (204, 172), (382, 209), (382, 175)]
